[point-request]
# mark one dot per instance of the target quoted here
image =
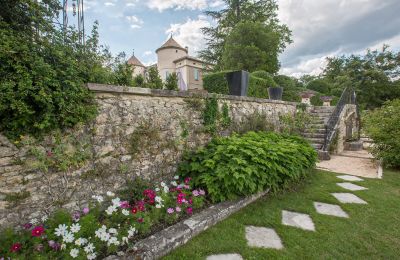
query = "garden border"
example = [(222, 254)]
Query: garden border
[(164, 241)]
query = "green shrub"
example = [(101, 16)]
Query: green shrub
[(253, 122), (261, 74), (242, 165), (383, 126), (316, 100), (216, 83), (172, 82)]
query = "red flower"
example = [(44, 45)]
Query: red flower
[(37, 231), (140, 220), (189, 211), (15, 247), (187, 180), (134, 210)]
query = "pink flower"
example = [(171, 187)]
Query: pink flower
[(195, 193), (140, 220), (27, 226), (189, 211), (54, 245), (186, 187), (178, 209), (124, 204), (202, 192), (86, 211), (190, 201), (134, 210), (37, 231), (76, 216), (170, 210), (16, 247), (187, 180)]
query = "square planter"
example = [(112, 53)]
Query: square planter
[(238, 82), (275, 93)]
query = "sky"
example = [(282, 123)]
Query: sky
[(320, 28)]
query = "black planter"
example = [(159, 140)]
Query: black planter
[(275, 93), (238, 82)]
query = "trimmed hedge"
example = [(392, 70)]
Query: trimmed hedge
[(258, 86), (230, 167)]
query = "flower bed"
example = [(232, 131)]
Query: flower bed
[(109, 225)]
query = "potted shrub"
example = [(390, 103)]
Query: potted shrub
[(275, 93), (238, 82)]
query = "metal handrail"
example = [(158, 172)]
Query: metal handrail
[(348, 97)]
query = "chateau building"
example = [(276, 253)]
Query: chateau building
[(173, 58)]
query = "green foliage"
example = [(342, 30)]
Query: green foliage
[(257, 51), (211, 114), (285, 82), (321, 86), (295, 124), (236, 12), (383, 126), (133, 190), (226, 119), (316, 100), (138, 81), (16, 198), (242, 165), (172, 82), (154, 81), (262, 74), (195, 103), (123, 72), (254, 122)]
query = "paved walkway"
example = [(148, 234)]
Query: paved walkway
[(267, 237), (359, 163)]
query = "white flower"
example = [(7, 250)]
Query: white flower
[(111, 209), (63, 246), (110, 194), (131, 232), (157, 189), (44, 218), (174, 183), (163, 184), (99, 198), (102, 234), (74, 253), (116, 202), (89, 248), (113, 240), (92, 256), (125, 240), (75, 228), (125, 212), (61, 230), (159, 206), (158, 199), (176, 177), (166, 189), (112, 231), (80, 241), (34, 221), (68, 237)]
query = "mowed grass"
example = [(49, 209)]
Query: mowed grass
[(371, 232)]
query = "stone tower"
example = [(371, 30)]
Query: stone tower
[(167, 54)]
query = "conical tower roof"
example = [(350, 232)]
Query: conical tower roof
[(171, 43), (135, 61)]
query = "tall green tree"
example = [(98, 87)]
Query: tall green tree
[(236, 11), (153, 79), (172, 82), (257, 51)]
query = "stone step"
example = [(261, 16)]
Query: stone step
[(317, 146), (314, 131), (316, 140), (314, 135)]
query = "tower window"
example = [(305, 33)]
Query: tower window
[(196, 74)]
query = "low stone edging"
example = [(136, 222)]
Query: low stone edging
[(163, 242)]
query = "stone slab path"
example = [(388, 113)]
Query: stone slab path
[(298, 220), (348, 198), (263, 237), (358, 163), (349, 178), (330, 210), (225, 257), (351, 186)]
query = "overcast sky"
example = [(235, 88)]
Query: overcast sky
[(320, 28)]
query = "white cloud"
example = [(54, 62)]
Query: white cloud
[(147, 53), (189, 33), (134, 21), (109, 4), (162, 5), (131, 3)]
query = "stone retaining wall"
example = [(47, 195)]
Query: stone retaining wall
[(164, 123)]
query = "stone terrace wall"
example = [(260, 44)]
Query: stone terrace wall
[(122, 111)]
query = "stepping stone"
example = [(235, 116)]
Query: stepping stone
[(298, 220), (351, 186), (330, 210), (348, 198), (263, 237), (349, 178), (225, 257)]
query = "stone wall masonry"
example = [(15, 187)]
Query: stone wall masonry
[(166, 122)]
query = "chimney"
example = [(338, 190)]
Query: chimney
[(187, 49)]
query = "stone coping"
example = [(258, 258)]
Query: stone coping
[(164, 241), (113, 89)]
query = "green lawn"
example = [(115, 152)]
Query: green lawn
[(371, 232)]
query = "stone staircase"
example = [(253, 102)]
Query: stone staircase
[(315, 132)]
